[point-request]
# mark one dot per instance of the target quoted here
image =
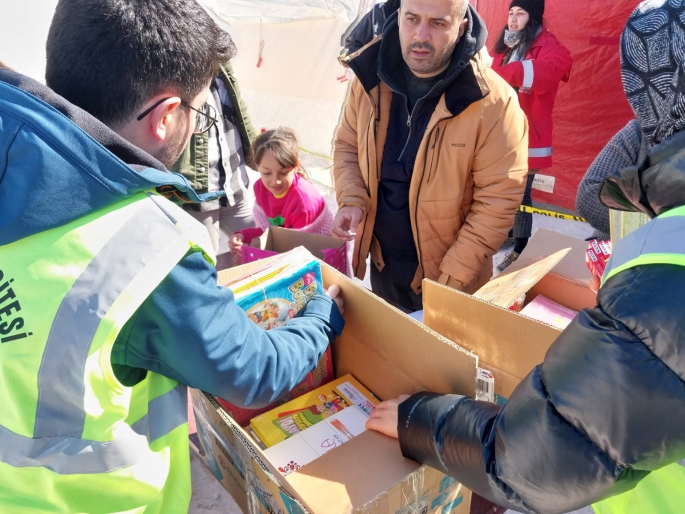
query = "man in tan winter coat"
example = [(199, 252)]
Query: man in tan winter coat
[(431, 156)]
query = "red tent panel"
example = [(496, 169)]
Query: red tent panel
[(591, 108)]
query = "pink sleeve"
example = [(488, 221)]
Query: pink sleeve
[(249, 234)]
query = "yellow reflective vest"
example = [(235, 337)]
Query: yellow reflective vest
[(72, 437)]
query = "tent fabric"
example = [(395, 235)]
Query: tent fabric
[(282, 11), (298, 82), (592, 107)]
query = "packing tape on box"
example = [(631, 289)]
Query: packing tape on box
[(551, 214)]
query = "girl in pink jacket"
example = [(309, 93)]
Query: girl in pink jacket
[(284, 196)]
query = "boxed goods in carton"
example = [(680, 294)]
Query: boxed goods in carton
[(597, 255), (381, 353), (303, 429)]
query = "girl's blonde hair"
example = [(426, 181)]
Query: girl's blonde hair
[(283, 144)]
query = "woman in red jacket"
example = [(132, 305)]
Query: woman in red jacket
[(533, 62)]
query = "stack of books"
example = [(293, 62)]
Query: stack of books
[(307, 427)]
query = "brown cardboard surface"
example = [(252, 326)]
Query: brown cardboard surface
[(390, 354), (405, 349), (510, 345), (283, 240), (365, 467), (507, 288), (501, 338), (544, 242), (569, 281)]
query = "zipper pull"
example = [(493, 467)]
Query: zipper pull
[(409, 121), (437, 135)]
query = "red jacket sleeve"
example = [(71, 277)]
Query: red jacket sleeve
[(541, 75)]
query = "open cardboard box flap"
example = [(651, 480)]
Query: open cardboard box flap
[(569, 281), (390, 354), (509, 344), (283, 240)]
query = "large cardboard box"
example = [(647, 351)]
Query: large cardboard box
[(280, 240), (508, 344), (390, 354)]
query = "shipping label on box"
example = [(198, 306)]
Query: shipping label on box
[(485, 386)]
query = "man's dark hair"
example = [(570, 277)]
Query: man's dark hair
[(530, 32), (109, 57)]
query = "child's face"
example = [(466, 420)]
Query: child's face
[(275, 177)]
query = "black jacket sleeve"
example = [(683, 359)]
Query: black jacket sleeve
[(606, 407)]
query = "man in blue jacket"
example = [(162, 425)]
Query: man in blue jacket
[(602, 420), (128, 80)]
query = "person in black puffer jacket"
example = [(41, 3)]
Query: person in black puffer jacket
[(602, 420)]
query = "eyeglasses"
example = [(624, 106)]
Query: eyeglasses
[(205, 116)]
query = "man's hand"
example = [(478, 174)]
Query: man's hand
[(334, 293), (384, 417), (346, 222), (235, 243)]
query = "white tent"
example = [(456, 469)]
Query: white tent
[(299, 82), (287, 68), (23, 30)]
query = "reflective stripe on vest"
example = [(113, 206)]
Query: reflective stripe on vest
[(57, 442), (165, 413), (60, 379), (661, 241)]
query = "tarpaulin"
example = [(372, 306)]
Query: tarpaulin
[(592, 107)]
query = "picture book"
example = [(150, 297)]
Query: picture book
[(273, 294), (310, 409), (302, 448)]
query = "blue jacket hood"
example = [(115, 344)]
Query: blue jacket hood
[(58, 163)]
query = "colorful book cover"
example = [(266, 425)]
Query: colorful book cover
[(312, 408), (302, 448), (271, 295)]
